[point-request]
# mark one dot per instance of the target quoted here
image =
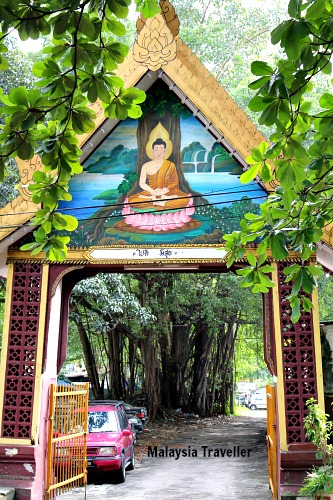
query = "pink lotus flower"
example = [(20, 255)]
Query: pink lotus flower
[(158, 222), (126, 208), (157, 225)]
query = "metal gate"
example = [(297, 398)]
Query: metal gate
[(66, 453), (271, 440)]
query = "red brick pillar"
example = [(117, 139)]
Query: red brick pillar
[(20, 387), (299, 378)]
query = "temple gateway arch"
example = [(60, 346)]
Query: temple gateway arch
[(182, 193)]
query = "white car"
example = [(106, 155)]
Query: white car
[(258, 400)]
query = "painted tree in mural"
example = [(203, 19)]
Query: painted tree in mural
[(161, 113), (162, 106)]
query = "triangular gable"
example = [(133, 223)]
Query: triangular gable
[(200, 172), (159, 53)]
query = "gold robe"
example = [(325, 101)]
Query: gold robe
[(165, 177)]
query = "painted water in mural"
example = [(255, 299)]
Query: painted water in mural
[(162, 179)]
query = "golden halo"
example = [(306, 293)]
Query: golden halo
[(159, 132)]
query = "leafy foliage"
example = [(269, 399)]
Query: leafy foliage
[(227, 35), (319, 430), (78, 68), (325, 295), (300, 155)]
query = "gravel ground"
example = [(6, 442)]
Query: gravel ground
[(221, 458)]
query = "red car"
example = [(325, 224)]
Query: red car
[(110, 439)]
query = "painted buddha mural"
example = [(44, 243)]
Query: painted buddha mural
[(157, 190)]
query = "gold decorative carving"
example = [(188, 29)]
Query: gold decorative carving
[(169, 14), (155, 46)]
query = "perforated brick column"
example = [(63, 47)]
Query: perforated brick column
[(299, 367), (22, 351), (301, 381)]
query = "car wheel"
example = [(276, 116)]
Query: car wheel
[(121, 473), (253, 407), (131, 465)]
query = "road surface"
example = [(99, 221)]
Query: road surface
[(224, 462)]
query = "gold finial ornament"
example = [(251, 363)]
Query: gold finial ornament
[(169, 14), (159, 132)]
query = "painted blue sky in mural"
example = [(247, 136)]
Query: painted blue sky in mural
[(211, 206)]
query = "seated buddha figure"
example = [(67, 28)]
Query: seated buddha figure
[(158, 183)]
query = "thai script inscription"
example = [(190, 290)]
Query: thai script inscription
[(165, 253), (141, 253), (162, 252)]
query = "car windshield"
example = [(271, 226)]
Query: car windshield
[(102, 421)]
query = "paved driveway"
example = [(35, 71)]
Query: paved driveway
[(224, 462)]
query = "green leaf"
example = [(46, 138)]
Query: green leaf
[(267, 268), (28, 246), (39, 176), (60, 25), (326, 101), (102, 91), (269, 115), (57, 255), (250, 174), (116, 27), (150, 8), (70, 222), (294, 8), (265, 172), (308, 283), (259, 83), (258, 103), (19, 96), (306, 304), (296, 310), (92, 93), (120, 110), (298, 277), (134, 112), (315, 270), (280, 31), (118, 7), (294, 38), (264, 280), (278, 247), (3, 63), (86, 26), (315, 9), (25, 151), (261, 68), (251, 259)]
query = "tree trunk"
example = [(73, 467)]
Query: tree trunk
[(180, 348), (116, 388), (202, 350), (151, 374), (132, 347), (90, 362)]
